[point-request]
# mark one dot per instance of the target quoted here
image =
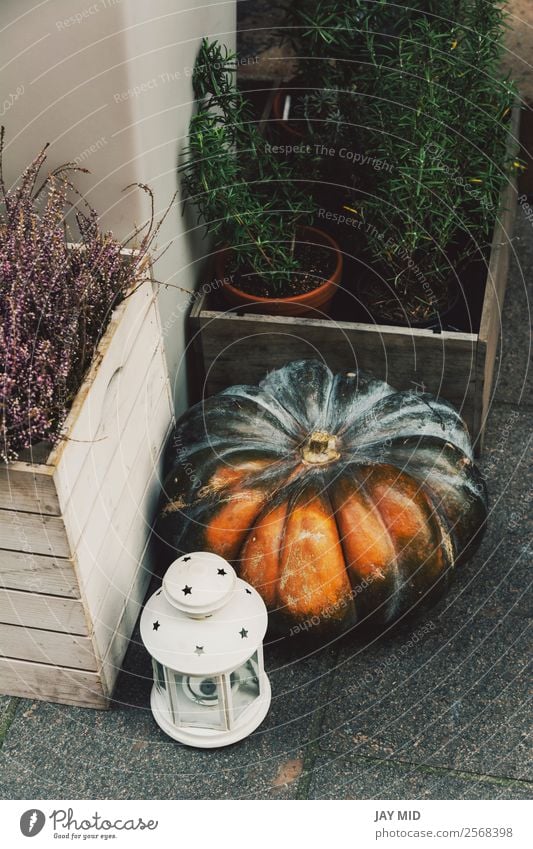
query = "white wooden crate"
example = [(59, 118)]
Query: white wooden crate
[(74, 529)]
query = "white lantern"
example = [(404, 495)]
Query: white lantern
[(204, 630)]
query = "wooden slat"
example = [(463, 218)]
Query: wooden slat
[(52, 683), (21, 570), (30, 488), (33, 532), (118, 438), (128, 566), (86, 412), (242, 348), (139, 447), (491, 316), (120, 639), (525, 179), (479, 411), (121, 520), (47, 611), (51, 647)]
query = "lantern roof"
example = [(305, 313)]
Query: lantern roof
[(198, 584), (204, 620)]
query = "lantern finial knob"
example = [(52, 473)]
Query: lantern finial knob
[(199, 583)]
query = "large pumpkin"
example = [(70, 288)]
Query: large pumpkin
[(341, 500)]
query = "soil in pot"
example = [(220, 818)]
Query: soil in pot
[(317, 265), (304, 293), (410, 302)]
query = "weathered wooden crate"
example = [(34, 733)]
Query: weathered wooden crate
[(75, 525), (234, 347)]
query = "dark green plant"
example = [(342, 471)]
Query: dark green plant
[(437, 111), (327, 37), (416, 86), (244, 194)]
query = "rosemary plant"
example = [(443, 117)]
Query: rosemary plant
[(244, 194), (437, 111), (327, 37)]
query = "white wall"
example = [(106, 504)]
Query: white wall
[(107, 82)]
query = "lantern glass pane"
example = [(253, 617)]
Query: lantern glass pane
[(245, 686), (200, 701)]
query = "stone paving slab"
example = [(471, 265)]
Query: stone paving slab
[(513, 370), (451, 690), (54, 751), (359, 778), (8, 706)]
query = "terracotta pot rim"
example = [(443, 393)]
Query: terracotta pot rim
[(330, 283)]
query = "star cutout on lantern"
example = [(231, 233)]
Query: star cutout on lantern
[(248, 591), (186, 590), (186, 559), (156, 626), (244, 633), (199, 650), (158, 592), (222, 572)]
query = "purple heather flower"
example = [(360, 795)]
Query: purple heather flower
[(55, 302)]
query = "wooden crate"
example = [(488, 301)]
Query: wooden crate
[(75, 525), (233, 346)]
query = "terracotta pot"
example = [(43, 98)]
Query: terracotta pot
[(311, 303)]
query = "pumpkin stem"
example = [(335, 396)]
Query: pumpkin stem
[(320, 448)]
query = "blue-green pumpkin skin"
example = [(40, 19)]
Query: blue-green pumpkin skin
[(341, 500)]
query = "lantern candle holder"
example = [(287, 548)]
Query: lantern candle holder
[(204, 630)]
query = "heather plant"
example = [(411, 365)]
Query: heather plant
[(55, 298)]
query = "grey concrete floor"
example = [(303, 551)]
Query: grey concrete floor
[(437, 710)]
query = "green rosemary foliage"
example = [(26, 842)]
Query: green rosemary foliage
[(419, 87), (244, 194), (438, 114), (328, 38)]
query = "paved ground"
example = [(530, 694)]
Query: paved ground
[(438, 711)]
